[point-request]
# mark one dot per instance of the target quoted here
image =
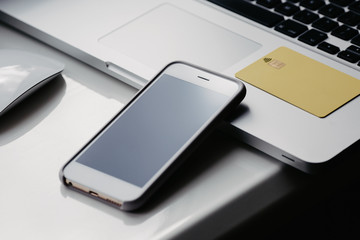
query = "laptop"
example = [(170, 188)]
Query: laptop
[(298, 59)]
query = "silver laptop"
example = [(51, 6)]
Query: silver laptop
[(298, 59)]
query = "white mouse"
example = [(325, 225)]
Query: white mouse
[(22, 73)]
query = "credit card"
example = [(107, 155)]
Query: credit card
[(301, 81)]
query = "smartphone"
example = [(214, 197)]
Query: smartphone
[(147, 140)]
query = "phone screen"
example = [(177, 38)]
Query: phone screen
[(157, 125)]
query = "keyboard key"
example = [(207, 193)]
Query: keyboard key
[(345, 32), (312, 4), (356, 40), (268, 3), (248, 10), (305, 16), (329, 48), (325, 24), (331, 11), (291, 28), (354, 49), (350, 18), (355, 7), (313, 37), (288, 9), (349, 56), (342, 3)]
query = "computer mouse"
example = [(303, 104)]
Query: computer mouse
[(22, 73)]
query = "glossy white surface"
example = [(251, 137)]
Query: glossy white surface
[(227, 184)]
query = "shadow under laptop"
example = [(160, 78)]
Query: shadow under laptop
[(324, 206)]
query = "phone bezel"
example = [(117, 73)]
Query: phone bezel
[(106, 186)]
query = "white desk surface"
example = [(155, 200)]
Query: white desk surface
[(225, 185)]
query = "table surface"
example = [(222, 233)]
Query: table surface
[(223, 185)]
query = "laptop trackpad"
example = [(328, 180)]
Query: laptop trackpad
[(167, 34)]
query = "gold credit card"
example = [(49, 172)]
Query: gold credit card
[(301, 81)]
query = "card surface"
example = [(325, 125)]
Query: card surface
[(301, 81)]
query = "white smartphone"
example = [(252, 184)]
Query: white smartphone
[(138, 149)]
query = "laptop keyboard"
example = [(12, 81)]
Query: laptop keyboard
[(309, 21)]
